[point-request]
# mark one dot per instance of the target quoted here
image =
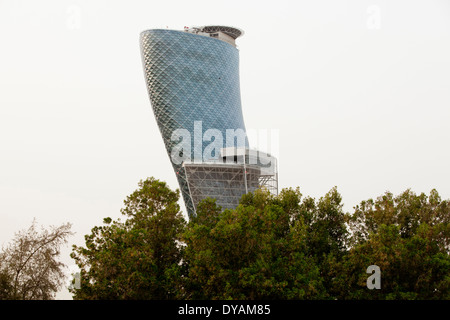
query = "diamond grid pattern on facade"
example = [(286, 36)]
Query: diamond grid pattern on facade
[(191, 78)]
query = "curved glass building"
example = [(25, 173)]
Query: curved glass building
[(192, 78)]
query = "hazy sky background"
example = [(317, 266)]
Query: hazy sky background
[(359, 91)]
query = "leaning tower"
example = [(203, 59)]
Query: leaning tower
[(192, 78)]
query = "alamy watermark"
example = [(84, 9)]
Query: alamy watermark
[(374, 281), (373, 21), (191, 147), (73, 18), (72, 276)]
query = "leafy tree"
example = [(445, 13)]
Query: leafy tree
[(408, 211), (29, 266), (407, 237), (326, 233), (257, 251), (269, 247), (139, 258)]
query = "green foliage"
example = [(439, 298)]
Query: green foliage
[(138, 258), (257, 251), (269, 247), (408, 238)]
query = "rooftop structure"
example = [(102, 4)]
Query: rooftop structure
[(224, 33)]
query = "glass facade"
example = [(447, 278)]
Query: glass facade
[(192, 78)]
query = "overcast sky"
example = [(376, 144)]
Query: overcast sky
[(358, 90)]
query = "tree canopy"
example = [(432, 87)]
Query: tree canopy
[(138, 258), (269, 247), (408, 238)]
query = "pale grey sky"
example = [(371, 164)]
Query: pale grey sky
[(359, 91)]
